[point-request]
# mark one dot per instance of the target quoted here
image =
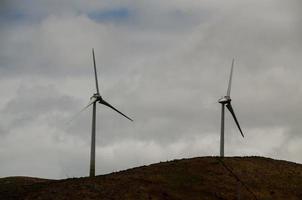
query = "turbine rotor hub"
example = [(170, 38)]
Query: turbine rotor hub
[(97, 96), (225, 100)]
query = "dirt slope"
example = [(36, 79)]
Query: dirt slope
[(195, 178)]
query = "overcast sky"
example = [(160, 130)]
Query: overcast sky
[(164, 63)]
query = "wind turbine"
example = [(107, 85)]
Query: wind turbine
[(226, 101), (97, 98)]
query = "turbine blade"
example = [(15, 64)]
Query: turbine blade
[(92, 100), (95, 73), (110, 106), (229, 106), (230, 80)]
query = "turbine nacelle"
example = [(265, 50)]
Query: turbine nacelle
[(225, 100), (96, 97)]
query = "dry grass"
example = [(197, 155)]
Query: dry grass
[(188, 179)]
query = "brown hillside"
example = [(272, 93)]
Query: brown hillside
[(196, 178)]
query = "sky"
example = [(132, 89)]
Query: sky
[(163, 63)]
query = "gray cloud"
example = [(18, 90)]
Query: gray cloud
[(165, 65)]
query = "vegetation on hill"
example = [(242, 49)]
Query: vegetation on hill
[(187, 179)]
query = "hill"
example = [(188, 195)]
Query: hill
[(187, 179)]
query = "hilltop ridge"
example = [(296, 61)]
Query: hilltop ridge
[(190, 179)]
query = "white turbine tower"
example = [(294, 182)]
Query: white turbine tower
[(96, 98), (226, 101)]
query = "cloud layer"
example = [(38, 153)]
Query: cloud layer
[(163, 63)]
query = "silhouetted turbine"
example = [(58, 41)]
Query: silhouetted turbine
[(226, 101)]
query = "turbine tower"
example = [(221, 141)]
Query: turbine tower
[(97, 98), (226, 101)]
